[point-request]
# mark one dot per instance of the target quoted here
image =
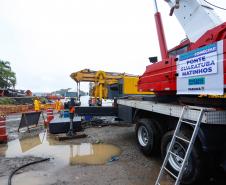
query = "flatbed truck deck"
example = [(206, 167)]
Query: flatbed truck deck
[(211, 115)]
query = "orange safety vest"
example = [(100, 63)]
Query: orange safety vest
[(72, 109)]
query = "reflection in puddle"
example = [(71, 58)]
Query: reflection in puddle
[(43, 146), (29, 143), (87, 153)]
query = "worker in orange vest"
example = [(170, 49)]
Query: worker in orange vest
[(71, 115)]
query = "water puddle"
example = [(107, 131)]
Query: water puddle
[(63, 153)]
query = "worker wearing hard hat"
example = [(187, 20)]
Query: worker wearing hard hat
[(37, 104), (71, 114)]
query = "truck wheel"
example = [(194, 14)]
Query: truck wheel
[(193, 167), (148, 138)]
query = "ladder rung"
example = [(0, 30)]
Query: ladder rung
[(195, 108), (188, 122), (176, 155), (170, 173), (185, 140)]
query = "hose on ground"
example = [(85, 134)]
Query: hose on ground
[(23, 166)]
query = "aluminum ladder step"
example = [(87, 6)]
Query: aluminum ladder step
[(185, 140), (189, 123), (176, 155), (171, 173), (176, 135)]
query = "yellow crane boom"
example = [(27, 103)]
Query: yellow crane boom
[(87, 75), (103, 80)]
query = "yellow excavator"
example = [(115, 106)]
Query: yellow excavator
[(108, 85)]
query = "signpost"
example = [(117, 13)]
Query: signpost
[(29, 119), (201, 71)]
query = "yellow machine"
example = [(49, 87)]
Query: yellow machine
[(100, 79), (106, 82), (130, 86)]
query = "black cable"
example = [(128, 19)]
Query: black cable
[(23, 166), (214, 5)]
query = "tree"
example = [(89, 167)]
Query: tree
[(61, 91), (7, 76)]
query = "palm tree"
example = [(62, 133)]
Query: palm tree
[(7, 76)]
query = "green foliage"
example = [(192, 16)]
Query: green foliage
[(7, 76), (43, 100), (63, 91), (7, 101)]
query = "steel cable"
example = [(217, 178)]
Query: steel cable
[(214, 5)]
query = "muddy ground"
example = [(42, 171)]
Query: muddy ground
[(131, 167)]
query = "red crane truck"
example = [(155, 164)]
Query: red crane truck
[(197, 66)]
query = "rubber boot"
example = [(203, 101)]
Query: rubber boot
[(71, 132)]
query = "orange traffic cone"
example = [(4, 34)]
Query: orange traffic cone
[(49, 116), (3, 133)]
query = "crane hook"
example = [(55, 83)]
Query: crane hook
[(176, 6)]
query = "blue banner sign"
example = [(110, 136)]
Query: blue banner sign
[(202, 61), (201, 71)]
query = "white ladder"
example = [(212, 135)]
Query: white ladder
[(195, 125)]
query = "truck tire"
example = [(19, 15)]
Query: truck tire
[(194, 165), (147, 135)]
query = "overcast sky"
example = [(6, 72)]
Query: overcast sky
[(47, 40)]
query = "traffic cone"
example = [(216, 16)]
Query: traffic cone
[(49, 116), (3, 133)]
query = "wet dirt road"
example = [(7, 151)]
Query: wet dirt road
[(108, 156), (73, 162)]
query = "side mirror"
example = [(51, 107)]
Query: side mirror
[(153, 59)]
